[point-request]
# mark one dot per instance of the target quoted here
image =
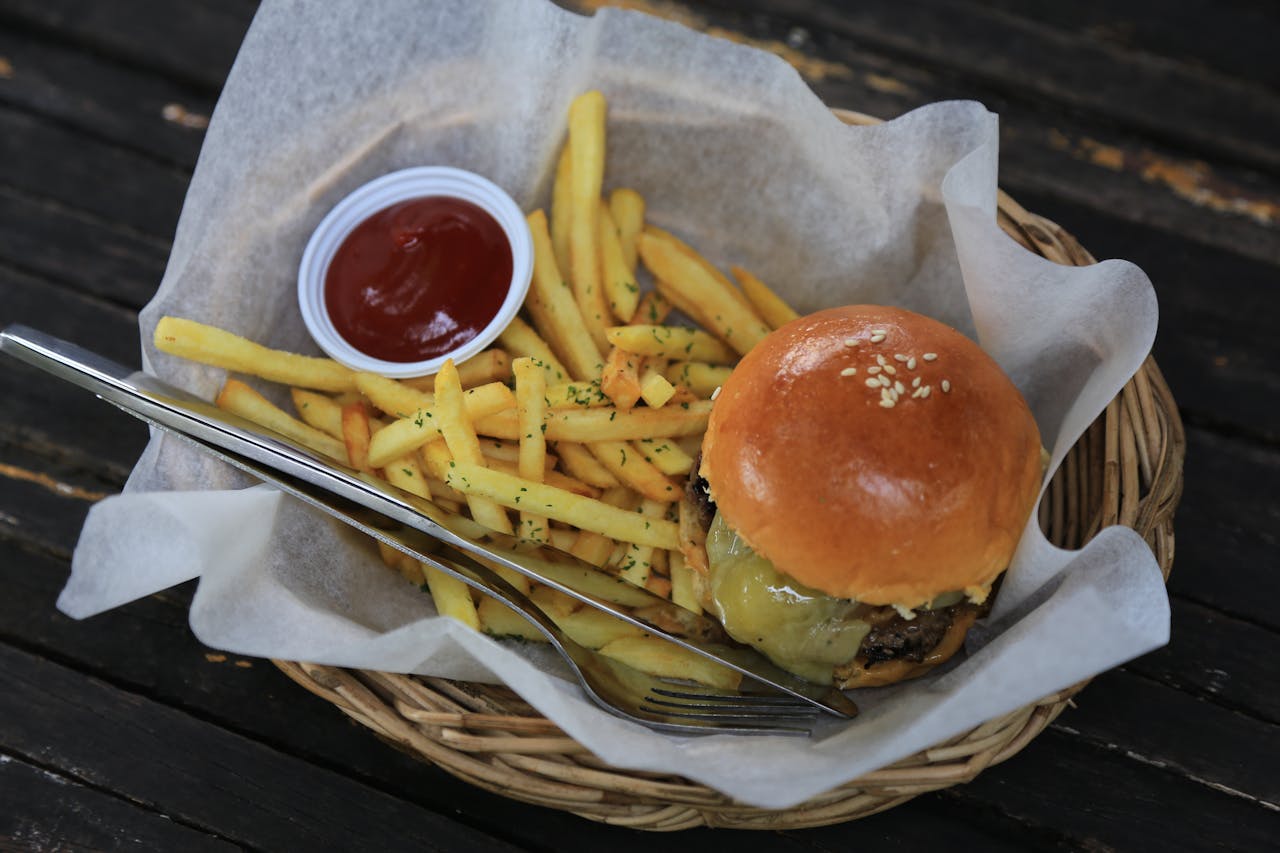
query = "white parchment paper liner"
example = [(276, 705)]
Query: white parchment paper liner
[(731, 150)]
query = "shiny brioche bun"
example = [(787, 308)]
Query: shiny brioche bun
[(886, 505)]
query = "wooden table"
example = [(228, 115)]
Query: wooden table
[(1149, 130)]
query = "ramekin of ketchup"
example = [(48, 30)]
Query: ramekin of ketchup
[(413, 268)]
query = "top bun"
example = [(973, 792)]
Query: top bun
[(857, 498)]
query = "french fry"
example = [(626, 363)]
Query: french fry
[(586, 147), (599, 585), (560, 505), (659, 657), (593, 628), (694, 255), (405, 473), (492, 365), (699, 377), (628, 465), (671, 342), (665, 455), (604, 424), (562, 538), (452, 596), (569, 395), (318, 410), (579, 462), (593, 547), (721, 311), (620, 380), (767, 304), (240, 399), (562, 207), (693, 539), (659, 585), (531, 411), (355, 434), (683, 590), (654, 387), (618, 278), (553, 602), (404, 435), (210, 345), (627, 207), (682, 303), (555, 310), (520, 339), (499, 620), (551, 478), (652, 310), (463, 444), (509, 451), (637, 562)]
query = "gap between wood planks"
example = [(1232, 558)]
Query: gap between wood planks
[(56, 835), (1164, 766)]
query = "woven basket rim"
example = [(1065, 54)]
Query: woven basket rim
[(1126, 469)]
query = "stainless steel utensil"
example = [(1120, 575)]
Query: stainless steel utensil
[(290, 467)]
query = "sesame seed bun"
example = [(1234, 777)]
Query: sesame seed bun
[(858, 494)]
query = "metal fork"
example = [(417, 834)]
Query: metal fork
[(667, 705), (454, 539)]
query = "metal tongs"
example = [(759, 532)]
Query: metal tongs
[(773, 702)]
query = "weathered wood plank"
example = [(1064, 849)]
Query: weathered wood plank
[(1235, 119), (202, 774), (1235, 38), (50, 416), (1148, 721), (1227, 525), (51, 811), (85, 252), (1214, 656), (41, 158), (195, 42), (147, 647), (1097, 795), (103, 98)]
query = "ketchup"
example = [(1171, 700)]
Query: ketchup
[(418, 279)]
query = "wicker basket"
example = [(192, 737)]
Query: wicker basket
[(1126, 469)]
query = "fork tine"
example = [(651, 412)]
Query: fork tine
[(756, 700), (723, 710)]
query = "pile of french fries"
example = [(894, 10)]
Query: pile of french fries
[(575, 433)]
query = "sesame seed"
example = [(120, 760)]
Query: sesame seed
[(924, 392), (891, 370), (884, 380), (873, 369), (849, 371), (877, 338), (946, 386), (715, 393), (918, 393), (879, 332), (897, 356), (911, 363), (886, 394), (887, 404), (915, 383), (897, 386), (851, 342), (881, 360), (930, 356), (872, 383)]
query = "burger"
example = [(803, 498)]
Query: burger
[(864, 480)]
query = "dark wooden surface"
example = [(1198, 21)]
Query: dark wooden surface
[(1149, 130)]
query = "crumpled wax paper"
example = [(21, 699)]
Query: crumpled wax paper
[(733, 152)]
